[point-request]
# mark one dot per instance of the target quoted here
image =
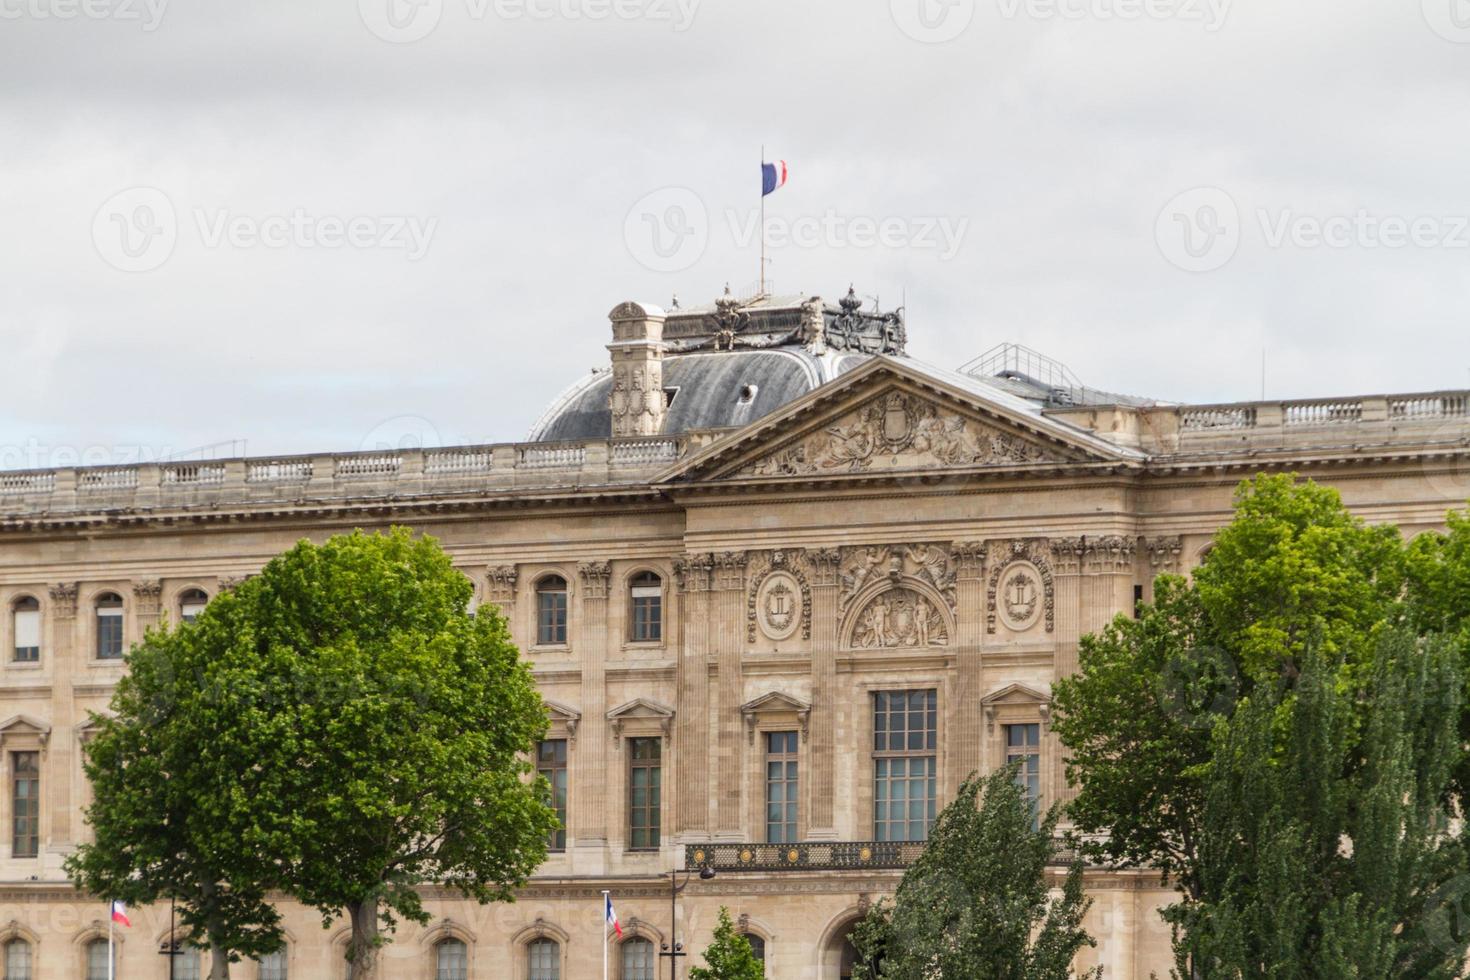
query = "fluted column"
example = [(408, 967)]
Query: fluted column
[(63, 650), (691, 716), (596, 812), (147, 606), (1066, 564), (823, 721), (966, 745), (727, 619)]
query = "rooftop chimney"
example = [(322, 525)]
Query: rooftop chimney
[(637, 401)]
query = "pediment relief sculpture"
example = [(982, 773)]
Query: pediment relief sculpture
[(897, 430), (899, 618), (931, 564)]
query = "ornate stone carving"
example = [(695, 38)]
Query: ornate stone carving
[(595, 576), (897, 430), (899, 617), (1163, 553), (1020, 589), (779, 597), (1066, 555), (969, 558), (870, 333), (814, 326), (64, 599), (1109, 554), (826, 562), (147, 593), (228, 583), (729, 570), (692, 573), (500, 581), (926, 562)]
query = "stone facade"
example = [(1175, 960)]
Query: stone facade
[(898, 529)]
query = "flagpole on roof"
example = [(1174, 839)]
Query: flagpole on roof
[(763, 225)]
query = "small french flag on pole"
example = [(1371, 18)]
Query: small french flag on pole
[(612, 917), (773, 176), (120, 914)]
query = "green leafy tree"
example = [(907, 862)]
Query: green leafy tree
[(1439, 601), (1293, 575), (976, 903), (374, 734), (155, 812), (729, 956), (1324, 854)]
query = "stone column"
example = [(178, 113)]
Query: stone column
[(1066, 567), (967, 743), (500, 589), (822, 750), (593, 811), (727, 621), (63, 650), (147, 609), (691, 710), (1163, 559), (1107, 563)]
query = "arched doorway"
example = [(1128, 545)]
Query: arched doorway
[(839, 955)]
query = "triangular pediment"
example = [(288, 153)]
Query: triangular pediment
[(1015, 694), (774, 701), (640, 708), (892, 416)]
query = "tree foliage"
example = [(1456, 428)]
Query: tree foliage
[(728, 956), (1270, 737), (976, 903), (156, 809)]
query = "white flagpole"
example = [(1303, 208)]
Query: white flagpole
[(605, 900), (763, 228), (111, 957)]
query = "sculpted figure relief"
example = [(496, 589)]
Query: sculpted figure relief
[(901, 431), (899, 618)]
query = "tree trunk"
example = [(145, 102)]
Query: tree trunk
[(219, 967), (362, 950)]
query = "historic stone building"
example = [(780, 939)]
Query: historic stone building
[(783, 588)]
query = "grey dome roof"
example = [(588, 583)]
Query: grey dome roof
[(709, 390)]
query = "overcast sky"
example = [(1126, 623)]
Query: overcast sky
[(309, 226)]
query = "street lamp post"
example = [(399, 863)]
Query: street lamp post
[(674, 949)]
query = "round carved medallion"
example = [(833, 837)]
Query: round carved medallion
[(1021, 596), (778, 605)]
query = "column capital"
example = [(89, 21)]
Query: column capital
[(595, 577)]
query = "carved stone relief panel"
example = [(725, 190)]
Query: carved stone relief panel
[(929, 563), (900, 431), (779, 598), (1019, 593), (899, 617)]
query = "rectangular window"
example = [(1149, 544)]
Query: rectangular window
[(25, 802), (186, 964), (648, 613), (273, 965), (1023, 745), (551, 762), (27, 634), (781, 783), (905, 764), (97, 966), (109, 632), (645, 777), (551, 618)]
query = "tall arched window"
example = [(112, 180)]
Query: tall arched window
[(25, 617), (757, 946), (191, 604), (646, 613), (451, 960), (17, 960), (273, 965), (551, 611), (638, 960), (109, 626), (97, 960), (543, 960)]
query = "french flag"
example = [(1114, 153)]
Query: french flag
[(612, 917), (120, 914), (773, 176)]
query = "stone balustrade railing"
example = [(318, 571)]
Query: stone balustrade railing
[(341, 475)]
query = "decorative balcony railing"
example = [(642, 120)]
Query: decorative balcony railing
[(820, 856)]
